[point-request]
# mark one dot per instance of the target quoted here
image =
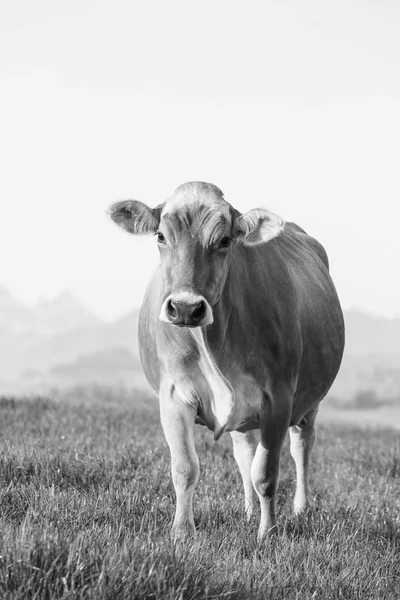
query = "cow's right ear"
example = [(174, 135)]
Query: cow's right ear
[(135, 217)]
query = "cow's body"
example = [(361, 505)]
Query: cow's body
[(278, 318), (266, 360)]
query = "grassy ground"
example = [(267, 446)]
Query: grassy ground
[(86, 504)]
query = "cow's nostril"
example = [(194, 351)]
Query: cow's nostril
[(199, 311), (171, 309)]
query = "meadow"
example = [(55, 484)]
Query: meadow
[(86, 504)]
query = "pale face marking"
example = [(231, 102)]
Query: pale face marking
[(188, 195)]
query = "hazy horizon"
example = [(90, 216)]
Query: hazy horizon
[(106, 317), (293, 107)]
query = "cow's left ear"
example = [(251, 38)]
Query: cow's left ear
[(135, 217), (257, 226)]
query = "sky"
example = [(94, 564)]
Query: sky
[(288, 105)]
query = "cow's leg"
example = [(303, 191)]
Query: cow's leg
[(177, 419), (244, 447), (302, 438), (274, 423)]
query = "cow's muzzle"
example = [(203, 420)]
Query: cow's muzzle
[(186, 309)]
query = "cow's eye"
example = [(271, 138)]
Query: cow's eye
[(224, 242), (160, 237)]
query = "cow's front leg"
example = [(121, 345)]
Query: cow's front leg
[(177, 419), (275, 418)]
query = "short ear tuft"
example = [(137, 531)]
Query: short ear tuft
[(257, 226), (134, 216)]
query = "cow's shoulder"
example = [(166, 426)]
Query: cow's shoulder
[(310, 242)]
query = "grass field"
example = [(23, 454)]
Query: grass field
[(86, 504)]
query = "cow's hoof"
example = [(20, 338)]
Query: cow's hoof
[(183, 534), (267, 532)]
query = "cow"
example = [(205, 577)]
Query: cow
[(240, 329)]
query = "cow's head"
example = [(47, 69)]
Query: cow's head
[(196, 231)]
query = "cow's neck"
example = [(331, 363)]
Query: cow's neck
[(216, 333)]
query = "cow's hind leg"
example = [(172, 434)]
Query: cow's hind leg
[(302, 438), (177, 419), (244, 447)]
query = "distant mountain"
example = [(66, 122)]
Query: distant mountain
[(61, 340), (116, 365), (47, 351), (112, 367), (47, 317), (371, 363), (15, 318), (124, 332), (369, 335), (64, 313)]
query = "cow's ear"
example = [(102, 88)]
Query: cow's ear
[(257, 226), (135, 217)]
